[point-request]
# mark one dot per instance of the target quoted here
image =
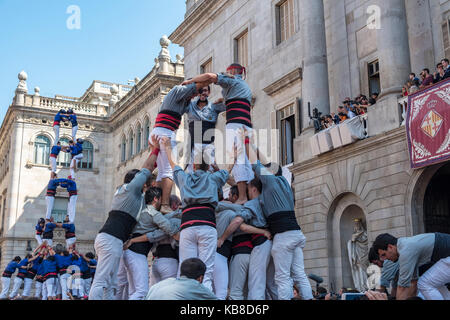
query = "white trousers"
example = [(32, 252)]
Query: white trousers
[(238, 276), (137, 270), (289, 265), (86, 286), (257, 274), (200, 242), (242, 171), (74, 164), (5, 287), (72, 208), (65, 285), (50, 285), (221, 277), (38, 289), (53, 164), (164, 168), (271, 287), (56, 130), (44, 291), (109, 251), (38, 239), (50, 203), (432, 283), (77, 286), (122, 281), (162, 269), (74, 133), (70, 241), (27, 287), (16, 287), (58, 289), (207, 150)]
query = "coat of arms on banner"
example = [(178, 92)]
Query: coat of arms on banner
[(428, 126)]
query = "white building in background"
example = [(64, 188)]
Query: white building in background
[(320, 52)]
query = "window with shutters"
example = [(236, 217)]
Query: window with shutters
[(285, 20), (446, 37), (286, 125), (64, 158), (88, 156), (241, 49), (42, 150)]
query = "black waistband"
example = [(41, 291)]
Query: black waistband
[(6, 274), (47, 235), (86, 275), (22, 275), (31, 274), (204, 138), (441, 248), (198, 215), (241, 244), (225, 249), (141, 247), (239, 111), (119, 224), (283, 221), (70, 235), (166, 251), (50, 275), (258, 239)]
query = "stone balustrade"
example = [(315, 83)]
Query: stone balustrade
[(54, 104)]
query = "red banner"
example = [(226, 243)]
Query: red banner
[(428, 126)]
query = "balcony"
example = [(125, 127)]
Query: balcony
[(380, 118)]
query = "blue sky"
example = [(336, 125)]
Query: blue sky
[(118, 40)]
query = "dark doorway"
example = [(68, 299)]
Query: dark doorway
[(436, 203)]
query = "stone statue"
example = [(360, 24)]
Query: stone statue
[(358, 252)]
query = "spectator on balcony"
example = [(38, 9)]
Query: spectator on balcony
[(413, 87), (405, 89), (373, 98), (439, 74), (342, 117), (427, 78), (413, 78), (446, 66), (348, 106)]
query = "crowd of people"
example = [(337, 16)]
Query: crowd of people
[(427, 79), (248, 246)]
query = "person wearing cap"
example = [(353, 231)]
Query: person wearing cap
[(126, 207), (202, 117), (72, 117), (60, 116), (175, 105), (238, 97)]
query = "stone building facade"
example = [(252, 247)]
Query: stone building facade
[(114, 120), (301, 52)]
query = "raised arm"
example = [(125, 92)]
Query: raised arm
[(149, 163), (203, 79), (165, 143)]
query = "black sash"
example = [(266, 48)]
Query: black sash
[(238, 111), (258, 239), (166, 251), (206, 125), (242, 244), (280, 222), (198, 215), (441, 248), (119, 224), (140, 247), (225, 249)]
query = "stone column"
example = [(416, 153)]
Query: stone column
[(21, 89), (164, 55), (315, 69), (393, 47), (420, 35), (395, 66)]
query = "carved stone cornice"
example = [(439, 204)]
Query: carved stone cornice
[(196, 20), (286, 80), (350, 151)]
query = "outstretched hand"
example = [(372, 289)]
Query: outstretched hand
[(221, 100)]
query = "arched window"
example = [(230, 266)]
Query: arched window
[(88, 156), (139, 139), (64, 158), (146, 132), (131, 145), (123, 150), (42, 150)]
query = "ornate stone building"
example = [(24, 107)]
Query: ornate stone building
[(114, 120), (300, 52)]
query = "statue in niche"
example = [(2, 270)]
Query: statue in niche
[(358, 252)]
